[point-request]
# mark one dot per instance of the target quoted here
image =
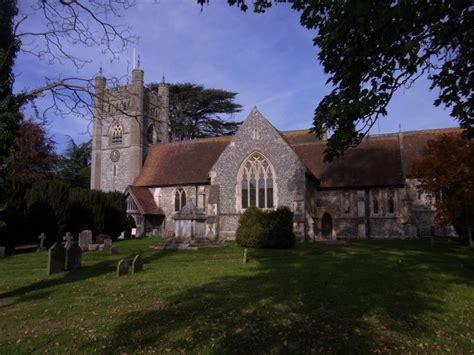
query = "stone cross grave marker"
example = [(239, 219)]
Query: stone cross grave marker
[(68, 238), (85, 238), (137, 264), (107, 244), (122, 267), (41, 247), (56, 258), (246, 256), (2, 252), (73, 257)]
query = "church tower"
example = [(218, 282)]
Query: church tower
[(127, 120)]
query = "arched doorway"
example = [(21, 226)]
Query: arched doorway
[(326, 226), (130, 224)]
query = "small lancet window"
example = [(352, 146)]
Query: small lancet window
[(256, 184), (375, 204), (255, 134), (116, 133), (179, 199), (150, 134), (347, 203), (391, 204)]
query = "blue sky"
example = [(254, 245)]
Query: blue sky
[(267, 58)]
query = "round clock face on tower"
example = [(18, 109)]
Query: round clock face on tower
[(115, 155)]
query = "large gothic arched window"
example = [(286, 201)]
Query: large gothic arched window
[(116, 133), (256, 182)]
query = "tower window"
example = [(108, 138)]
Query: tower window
[(256, 183), (150, 135), (179, 199), (116, 133)]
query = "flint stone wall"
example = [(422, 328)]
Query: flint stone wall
[(382, 224), (256, 135), (109, 182)]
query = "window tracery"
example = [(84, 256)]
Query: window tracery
[(179, 199), (256, 183), (116, 133)]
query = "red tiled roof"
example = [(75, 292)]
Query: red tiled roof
[(375, 162), (299, 136), (145, 201), (181, 163)]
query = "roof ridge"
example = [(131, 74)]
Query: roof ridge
[(193, 141), (433, 130), (301, 130)]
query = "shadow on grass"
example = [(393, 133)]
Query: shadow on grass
[(346, 302), (44, 288)]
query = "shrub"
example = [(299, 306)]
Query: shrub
[(280, 228), (252, 231), (271, 229)]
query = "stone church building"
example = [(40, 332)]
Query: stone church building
[(199, 188)]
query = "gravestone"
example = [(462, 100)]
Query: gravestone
[(2, 252), (246, 256), (107, 244), (73, 257), (85, 239), (68, 238), (93, 247), (56, 258), (122, 267), (41, 247), (137, 264), (99, 238), (114, 250)]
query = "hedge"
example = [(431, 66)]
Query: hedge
[(266, 229), (51, 207)]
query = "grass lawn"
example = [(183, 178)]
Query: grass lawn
[(390, 296)]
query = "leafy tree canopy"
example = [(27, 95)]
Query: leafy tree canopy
[(10, 116), (197, 112), (74, 165), (34, 157), (447, 170), (372, 48)]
